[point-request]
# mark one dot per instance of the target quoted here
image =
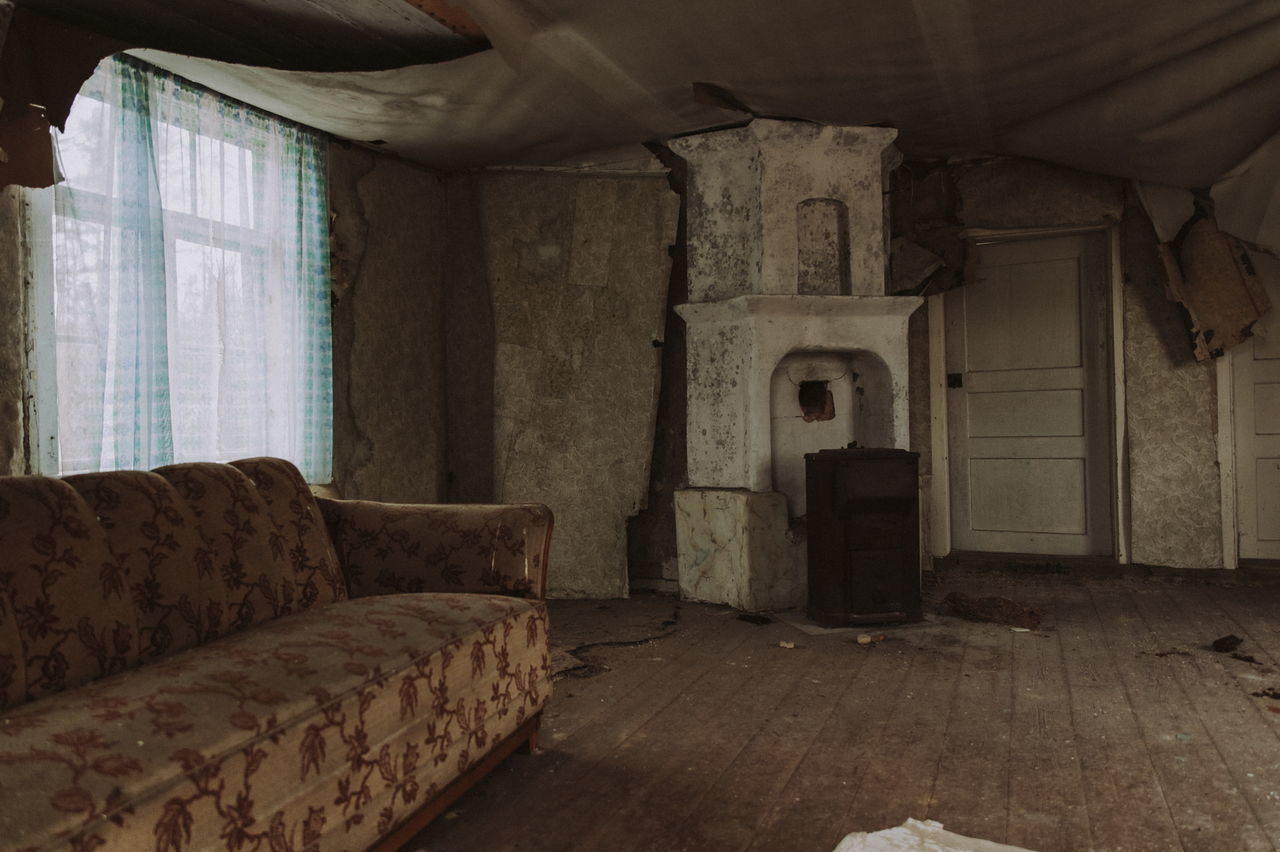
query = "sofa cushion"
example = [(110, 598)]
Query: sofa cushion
[(179, 600), (347, 717), (65, 589), (317, 576), (240, 540)]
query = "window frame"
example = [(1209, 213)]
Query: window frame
[(40, 225)]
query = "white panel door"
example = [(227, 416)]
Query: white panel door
[(1028, 399), (1256, 382)]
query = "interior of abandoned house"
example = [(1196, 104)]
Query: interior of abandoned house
[(643, 263)]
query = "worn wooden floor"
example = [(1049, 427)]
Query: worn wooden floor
[(1111, 727)]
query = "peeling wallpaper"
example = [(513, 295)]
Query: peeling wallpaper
[(578, 267), (1171, 413), (388, 348)]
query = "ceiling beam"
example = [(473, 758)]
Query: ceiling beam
[(453, 17)]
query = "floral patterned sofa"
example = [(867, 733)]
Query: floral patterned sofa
[(207, 657)]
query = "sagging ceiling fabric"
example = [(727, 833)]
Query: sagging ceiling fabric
[(1178, 92)]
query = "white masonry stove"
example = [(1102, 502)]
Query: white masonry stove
[(793, 345)]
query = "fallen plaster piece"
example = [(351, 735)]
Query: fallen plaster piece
[(919, 836)]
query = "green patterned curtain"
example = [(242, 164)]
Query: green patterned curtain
[(191, 258)]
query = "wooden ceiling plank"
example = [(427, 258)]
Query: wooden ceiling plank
[(454, 17)]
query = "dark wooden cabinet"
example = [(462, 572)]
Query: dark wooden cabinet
[(864, 536)]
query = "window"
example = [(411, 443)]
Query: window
[(190, 253)]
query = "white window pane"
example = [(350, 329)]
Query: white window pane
[(174, 168), (190, 324), (78, 261), (195, 350), (83, 148)]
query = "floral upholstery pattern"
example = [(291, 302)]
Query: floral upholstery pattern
[(181, 667), (64, 590), (238, 541), (322, 730), (13, 663), (299, 528), (387, 547), (178, 600)]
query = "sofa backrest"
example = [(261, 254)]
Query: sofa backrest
[(65, 603), (178, 599), (317, 574), (101, 571)]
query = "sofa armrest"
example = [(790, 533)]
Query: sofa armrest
[(386, 548)]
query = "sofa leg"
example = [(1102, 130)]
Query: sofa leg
[(530, 745)]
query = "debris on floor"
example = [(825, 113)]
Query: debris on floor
[(1226, 644), (1176, 652), (994, 610), (1269, 692), (783, 643), (800, 621), (869, 639), (580, 661), (582, 669), (919, 836), (754, 618)]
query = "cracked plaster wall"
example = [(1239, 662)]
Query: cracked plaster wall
[(389, 240), (13, 360), (921, 439), (578, 267), (469, 346), (651, 534)]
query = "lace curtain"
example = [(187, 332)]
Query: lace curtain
[(192, 300)]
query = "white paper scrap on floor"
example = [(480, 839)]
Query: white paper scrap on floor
[(916, 836)]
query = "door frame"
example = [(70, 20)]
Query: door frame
[(1224, 368), (940, 434)]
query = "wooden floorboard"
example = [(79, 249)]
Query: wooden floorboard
[(1234, 723), (1126, 803), (580, 771), (806, 812), (971, 789), (1112, 727), (680, 752), (898, 777), (1204, 804), (1046, 802), (723, 815)]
